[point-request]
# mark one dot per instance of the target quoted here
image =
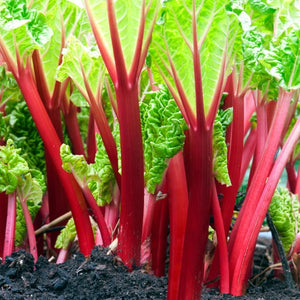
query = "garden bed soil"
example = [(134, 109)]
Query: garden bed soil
[(102, 277)]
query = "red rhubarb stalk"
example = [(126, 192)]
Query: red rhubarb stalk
[(30, 229), (9, 240), (149, 202), (178, 207), (127, 95), (199, 149), (159, 233), (242, 225), (222, 244), (3, 215), (97, 215), (247, 244), (52, 144)]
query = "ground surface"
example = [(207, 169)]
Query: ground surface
[(101, 277)]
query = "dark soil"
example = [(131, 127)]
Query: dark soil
[(101, 277)]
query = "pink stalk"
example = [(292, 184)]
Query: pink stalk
[(149, 202), (91, 140), (249, 149), (30, 229), (62, 255), (249, 109), (262, 132), (97, 215), (98, 238), (292, 176), (42, 218), (3, 215), (9, 239), (247, 243), (297, 188), (159, 234), (70, 116), (222, 244), (178, 207), (111, 214)]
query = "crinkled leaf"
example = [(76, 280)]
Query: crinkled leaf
[(282, 60), (99, 177), (22, 130), (66, 236), (18, 125), (29, 190), (254, 44), (102, 189), (77, 165), (23, 28), (163, 134), (223, 119), (12, 165), (9, 88), (284, 210), (75, 56)]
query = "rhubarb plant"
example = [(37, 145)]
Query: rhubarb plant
[(274, 60), (200, 35), (30, 47)]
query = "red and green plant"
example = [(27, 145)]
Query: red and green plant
[(147, 115)]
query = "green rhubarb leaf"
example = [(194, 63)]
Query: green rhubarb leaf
[(163, 134), (17, 124), (77, 57), (173, 43), (284, 210), (12, 166), (65, 18), (22, 28), (99, 177), (282, 60), (66, 236), (254, 44), (128, 15), (9, 87), (102, 189), (288, 16), (30, 191), (23, 132), (77, 165), (223, 119)]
